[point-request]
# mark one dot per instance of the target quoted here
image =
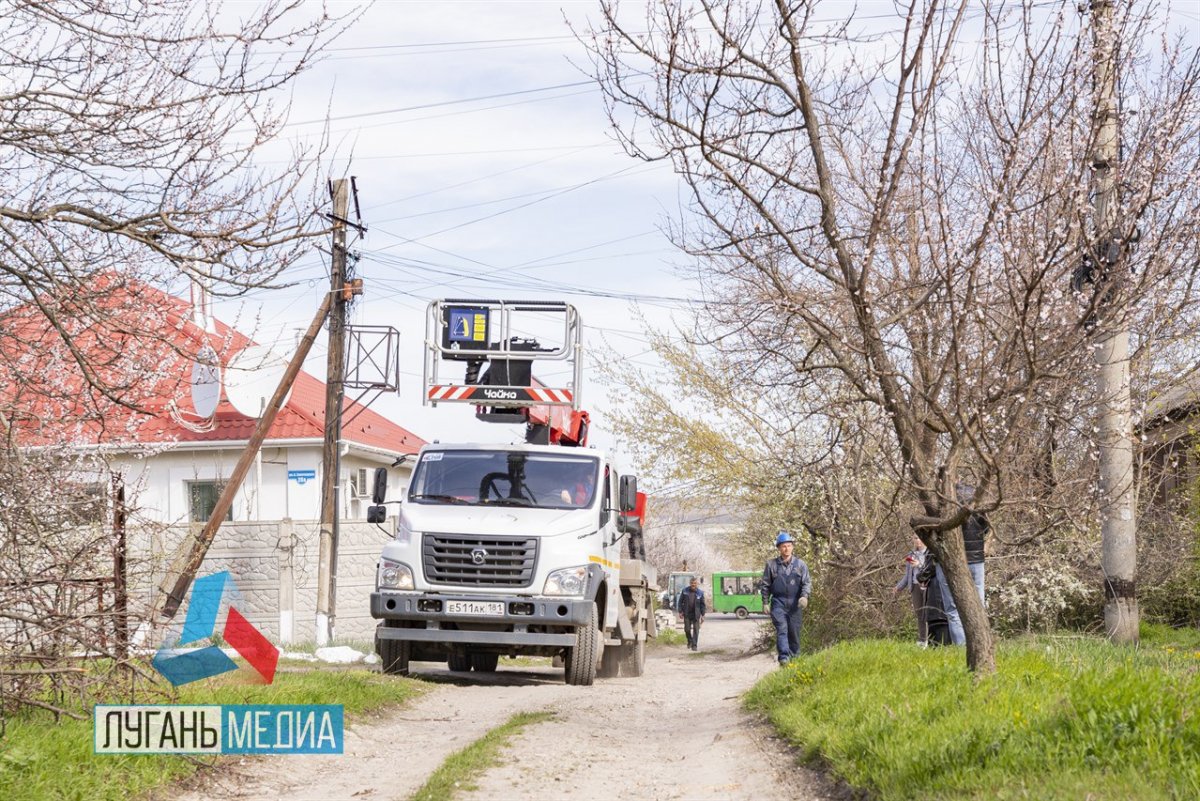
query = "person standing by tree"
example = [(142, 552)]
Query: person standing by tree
[(934, 610), (913, 564), (786, 586), (976, 533), (975, 530), (692, 608)]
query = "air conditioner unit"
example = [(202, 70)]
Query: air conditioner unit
[(360, 483)]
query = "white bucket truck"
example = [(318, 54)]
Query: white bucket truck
[(511, 549)]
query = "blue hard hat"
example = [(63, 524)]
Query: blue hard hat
[(782, 538)]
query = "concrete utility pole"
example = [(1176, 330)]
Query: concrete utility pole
[(335, 374), (1117, 507)]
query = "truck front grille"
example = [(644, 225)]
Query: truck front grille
[(465, 559)]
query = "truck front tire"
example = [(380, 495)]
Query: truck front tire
[(459, 663), (394, 656), (580, 659)]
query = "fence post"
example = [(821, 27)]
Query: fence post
[(286, 546)]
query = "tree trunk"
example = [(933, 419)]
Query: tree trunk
[(981, 649)]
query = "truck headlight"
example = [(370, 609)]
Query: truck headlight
[(394, 576), (568, 581)]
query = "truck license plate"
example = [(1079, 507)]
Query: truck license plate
[(474, 608)]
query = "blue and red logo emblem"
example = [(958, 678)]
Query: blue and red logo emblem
[(188, 665)]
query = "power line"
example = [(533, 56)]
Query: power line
[(439, 104), (427, 117), (544, 196), (457, 43), (553, 192), (529, 282), (477, 179)]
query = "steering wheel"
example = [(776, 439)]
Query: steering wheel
[(487, 486)]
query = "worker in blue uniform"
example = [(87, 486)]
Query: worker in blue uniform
[(786, 586)]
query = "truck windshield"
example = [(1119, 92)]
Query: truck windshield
[(505, 478)]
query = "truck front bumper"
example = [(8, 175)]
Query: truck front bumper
[(423, 619)]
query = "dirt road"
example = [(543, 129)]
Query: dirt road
[(678, 732)]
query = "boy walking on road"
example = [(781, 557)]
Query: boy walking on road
[(786, 586)]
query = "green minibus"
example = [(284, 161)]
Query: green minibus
[(736, 591)]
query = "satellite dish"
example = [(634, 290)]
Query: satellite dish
[(252, 377), (206, 382)]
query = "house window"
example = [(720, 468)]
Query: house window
[(202, 498), (84, 504)]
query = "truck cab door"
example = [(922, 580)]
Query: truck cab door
[(610, 536)]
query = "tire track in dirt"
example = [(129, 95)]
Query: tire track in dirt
[(388, 757), (678, 732)]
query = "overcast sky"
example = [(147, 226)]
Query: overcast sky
[(485, 168)]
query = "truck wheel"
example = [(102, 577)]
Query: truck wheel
[(459, 663), (580, 659), (394, 656), (742, 612), (610, 663), (484, 663), (633, 658)]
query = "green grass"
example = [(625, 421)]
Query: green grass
[(44, 759), (462, 768), (1064, 718), (1158, 635), (365, 646), (526, 661), (669, 637)]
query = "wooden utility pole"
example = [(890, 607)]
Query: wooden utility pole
[(179, 577), (335, 375), (120, 576), (1117, 507)]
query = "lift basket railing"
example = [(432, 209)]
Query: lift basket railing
[(489, 336)]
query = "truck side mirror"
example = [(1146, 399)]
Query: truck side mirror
[(379, 488), (628, 500), (376, 514)]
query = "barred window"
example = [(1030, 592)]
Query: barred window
[(202, 499)]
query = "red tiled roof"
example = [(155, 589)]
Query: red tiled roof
[(50, 401)]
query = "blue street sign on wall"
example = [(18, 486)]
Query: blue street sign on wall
[(301, 476)]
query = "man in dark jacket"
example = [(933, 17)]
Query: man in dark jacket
[(786, 586), (691, 606)]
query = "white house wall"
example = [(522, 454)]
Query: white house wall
[(273, 561), (290, 489)]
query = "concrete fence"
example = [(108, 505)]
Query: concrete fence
[(274, 565)]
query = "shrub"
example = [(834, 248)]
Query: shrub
[(1043, 596), (1175, 601)]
